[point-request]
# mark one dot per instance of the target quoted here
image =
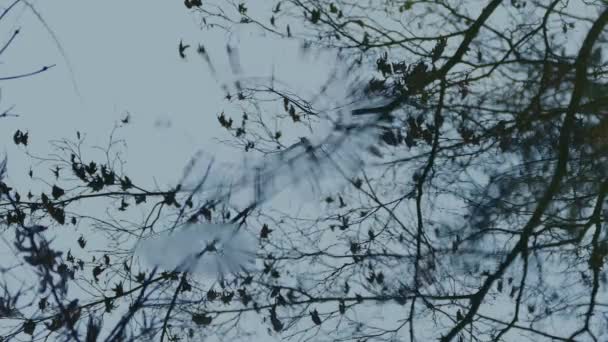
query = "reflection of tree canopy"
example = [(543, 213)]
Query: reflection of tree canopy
[(478, 213)]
